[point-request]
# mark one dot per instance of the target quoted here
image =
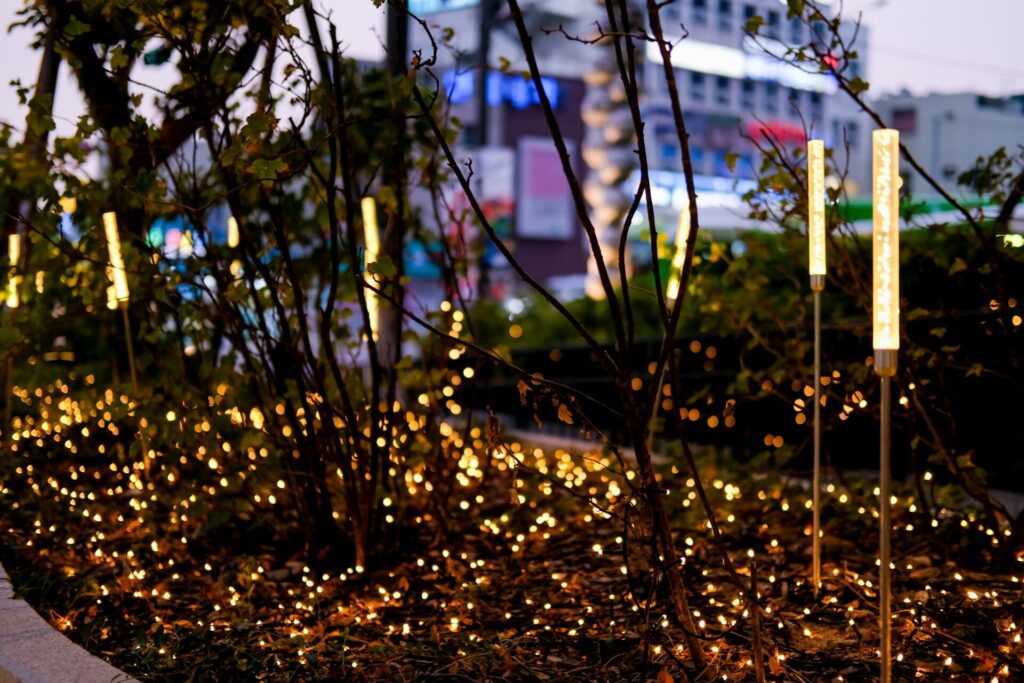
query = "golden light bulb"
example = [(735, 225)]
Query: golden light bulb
[(371, 241), (679, 254), (886, 239), (816, 206), (116, 271)]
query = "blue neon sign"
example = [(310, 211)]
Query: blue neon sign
[(519, 92)]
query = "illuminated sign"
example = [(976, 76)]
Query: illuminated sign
[(519, 92), (668, 189), (777, 130), (759, 60)]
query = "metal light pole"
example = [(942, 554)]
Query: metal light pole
[(117, 297), (886, 342), (816, 268)]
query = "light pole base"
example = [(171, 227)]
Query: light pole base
[(885, 362)]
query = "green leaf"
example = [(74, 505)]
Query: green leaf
[(857, 85), (753, 25), (383, 266), (730, 160), (796, 8), (76, 27), (958, 265), (118, 58)]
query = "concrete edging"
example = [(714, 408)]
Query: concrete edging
[(32, 651)]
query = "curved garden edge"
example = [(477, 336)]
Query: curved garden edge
[(32, 651)]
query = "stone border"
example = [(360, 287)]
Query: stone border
[(32, 651)]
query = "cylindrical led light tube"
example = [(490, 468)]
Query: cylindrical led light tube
[(886, 242), (816, 206), (117, 272)]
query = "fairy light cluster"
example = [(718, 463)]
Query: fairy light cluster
[(141, 541), (550, 554)]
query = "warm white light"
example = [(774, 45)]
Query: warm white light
[(232, 232), (14, 254), (816, 206), (117, 272), (679, 255), (886, 239), (371, 241)]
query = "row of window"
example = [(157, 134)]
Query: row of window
[(725, 18), (707, 162), (720, 91)]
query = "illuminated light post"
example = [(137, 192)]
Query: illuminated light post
[(118, 294), (672, 293), (232, 232), (886, 342), (14, 255), (371, 242), (13, 301), (679, 255), (233, 240), (816, 268)]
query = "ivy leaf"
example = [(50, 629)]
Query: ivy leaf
[(564, 414), (753, 25), (958, 265), (796, 8)]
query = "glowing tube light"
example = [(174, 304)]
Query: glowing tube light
[(679, 255), (371, 241), (14, 254), (232, 232), (886, 239), (816, 206), (117, 272)]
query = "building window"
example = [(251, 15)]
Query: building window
[(853, 133), (696, 86), (725, 15), (669, 154), (905, 120), (697, 158), (772, 22), (771, 98), (700, 12), (816, 109), (749, 12), (796, 31), (722, 94), (793, 103), (747, 93)]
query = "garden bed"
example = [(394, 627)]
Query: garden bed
[(515, 578)]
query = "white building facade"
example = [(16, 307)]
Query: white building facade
[(947, 133)]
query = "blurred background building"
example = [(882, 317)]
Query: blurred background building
[(947, 133)]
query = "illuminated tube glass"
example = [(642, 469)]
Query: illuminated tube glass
[(679, 255), (886, 239), (816, 206), (14, 254), (117, 272), (232, 232), (371, 241)]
